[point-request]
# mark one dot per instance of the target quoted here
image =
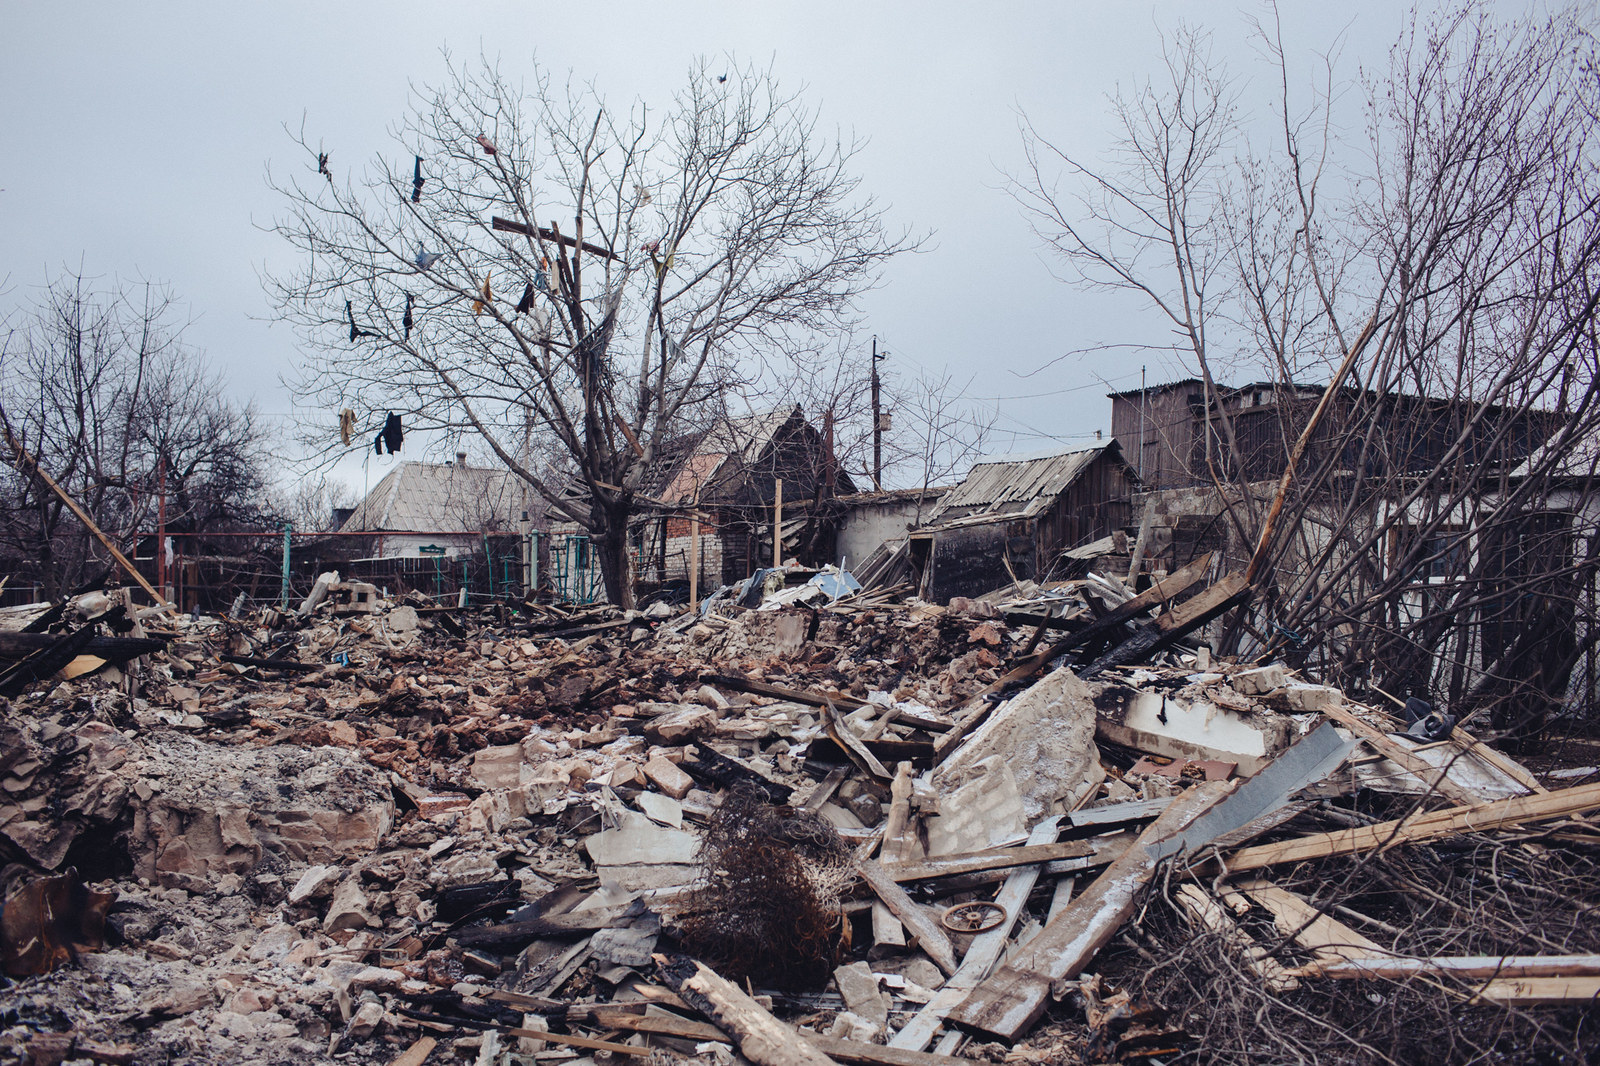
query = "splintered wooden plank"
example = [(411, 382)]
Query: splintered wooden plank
[(930, 937), (1531, 991), (861, 1054), (416, 1053), (1465, 966), (1420, 826), (1209, 915), (983, 953), (1329, 940), (992, 859), (1010, 1001), (898, 844), (760, 1037), (1175, 624), (1435, 777)]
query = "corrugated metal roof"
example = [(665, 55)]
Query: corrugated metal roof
[(1016, 487), (441, 498)]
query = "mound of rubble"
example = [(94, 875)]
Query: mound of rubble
[(855, 828)]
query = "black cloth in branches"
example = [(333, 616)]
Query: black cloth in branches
[(355, 332), (390, 436)]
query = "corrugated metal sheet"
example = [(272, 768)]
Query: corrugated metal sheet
[(437, 497), (1013, 486)]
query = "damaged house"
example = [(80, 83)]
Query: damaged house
[(711, 496), (1012, 516), (1452, 537), (429, 520)]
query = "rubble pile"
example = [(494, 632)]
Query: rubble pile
[(1040, 826)]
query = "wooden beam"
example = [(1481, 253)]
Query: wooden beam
[(760, 1037), (992, 859), (417, 1053), (854, 1051), (1466, 966), (930, 937), (588, 1043), (898, 846), (1420, 826), (1175, 624), (983, 953), (510, 226), (1009, 1002), (1435, 777), (1531, 991), (1329, 940), (843, 736), (83, 516), (1209, 915)]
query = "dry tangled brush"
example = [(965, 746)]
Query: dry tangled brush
[(1511, 895), (767, 903)]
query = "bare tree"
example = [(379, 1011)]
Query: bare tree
[(442, 283), (937, 433), (98, 387), (1419, 504)]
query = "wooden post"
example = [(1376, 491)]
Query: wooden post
[(777, 526), (694, 560), (72, 505)]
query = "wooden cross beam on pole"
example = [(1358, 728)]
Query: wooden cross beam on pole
[(24, 459)]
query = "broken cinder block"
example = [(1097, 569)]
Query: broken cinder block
[(667, 777), (1313, 697), (1261, 680)]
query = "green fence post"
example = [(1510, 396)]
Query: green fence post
[(283, 595)]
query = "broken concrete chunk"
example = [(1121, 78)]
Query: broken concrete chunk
[(666, 776), (1045, 736), (366, 1020), (1261, 680), (316, 883), (349, 907), (859, 987), (663, 810), (710, 697), (501, 767), (986, 812), (1313, 697), (848, 1025), (681, 725), (274, 944), (639, 840)]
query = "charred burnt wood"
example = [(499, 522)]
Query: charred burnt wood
[(1066, 625), (49, 618), (713, 767), (454, 904), (1230, 592), (511, 937), (111, 649), (794, 695), (290, 665), (46, 661), (918, 753)]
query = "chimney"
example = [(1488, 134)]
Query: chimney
[(461, 459)]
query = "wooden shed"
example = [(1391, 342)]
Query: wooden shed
[(1014, 515)]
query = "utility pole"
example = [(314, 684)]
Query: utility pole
[(877, 420)]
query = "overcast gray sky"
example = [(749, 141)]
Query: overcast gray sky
[(136, 138)]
